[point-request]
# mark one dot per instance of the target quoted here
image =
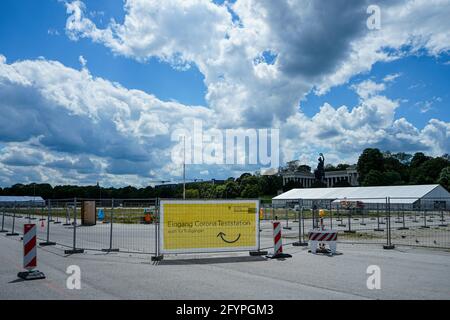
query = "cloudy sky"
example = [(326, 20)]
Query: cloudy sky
[(92, 90)]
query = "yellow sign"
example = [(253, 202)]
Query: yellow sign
[(206, 226)]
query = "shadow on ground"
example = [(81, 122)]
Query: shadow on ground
[(211, 260)]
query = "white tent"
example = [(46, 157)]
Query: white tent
[(11, 201), (429, 195)]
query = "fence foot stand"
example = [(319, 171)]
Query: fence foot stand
[(47, 243), (73, 251), (300, 244), (349, 231), (403, 228), (111, 250), (279, 256), (287, 228), (3, 231), (12, 234), (57, 222), (258, 253), (31, 275), (389, 247), (158, 258)]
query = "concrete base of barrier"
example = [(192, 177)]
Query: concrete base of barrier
[(323, 251), (300, 244), (31, 275), (158, 258), (258, 253), (47, 243), (389, 247), (279, 256), (111, 250), (73, 251)]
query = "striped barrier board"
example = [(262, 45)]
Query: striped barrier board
[(29, 246), (278, 243), (30, 254), (323, 236)]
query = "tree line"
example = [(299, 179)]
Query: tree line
[(375, 168)]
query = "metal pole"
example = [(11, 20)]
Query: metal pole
[(156, 230), (111, 230), (67, 216), (331, 216), (301, 228), (184, 168), (48, 220), (48, 242), (378, 219), (389, 244), (349, 223), (12, 233), (258, 252), (287, 217), (74, 249), (403, 227), (57, 217), (158, 256), (111, 225), (3, 222)]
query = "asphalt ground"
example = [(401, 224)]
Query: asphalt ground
[(406, 273)]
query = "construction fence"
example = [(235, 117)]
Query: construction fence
[(154, 226)]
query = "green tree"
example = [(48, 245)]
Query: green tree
[(373, 178), (251, 191), (444, 178), (292, 185), (192, 194), (370, 159)]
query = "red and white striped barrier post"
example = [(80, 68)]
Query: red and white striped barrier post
[(30, 254), (278, 242)]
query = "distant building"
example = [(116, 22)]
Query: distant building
[(21, 201), (307, 179)]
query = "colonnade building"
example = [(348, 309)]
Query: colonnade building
[(307, 179)]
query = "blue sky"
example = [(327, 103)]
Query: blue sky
[(238, 65)]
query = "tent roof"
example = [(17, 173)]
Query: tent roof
[(20, 199), (408, 194)]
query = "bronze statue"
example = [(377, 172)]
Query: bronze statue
[(319, 173)]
